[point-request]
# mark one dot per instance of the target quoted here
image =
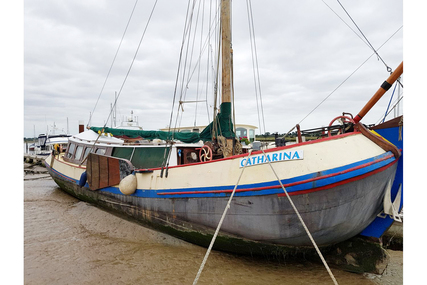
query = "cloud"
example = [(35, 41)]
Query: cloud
[(304, 52)]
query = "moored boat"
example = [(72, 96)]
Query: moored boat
[(181, 183)]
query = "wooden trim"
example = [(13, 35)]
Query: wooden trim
[(379, 141)]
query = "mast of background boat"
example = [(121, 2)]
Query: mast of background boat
[(384, 87), (226, 60)]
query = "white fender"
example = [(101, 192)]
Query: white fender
[(128, 185)]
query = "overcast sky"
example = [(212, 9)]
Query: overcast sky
[(304, 50)]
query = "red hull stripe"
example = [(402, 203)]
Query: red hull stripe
[(339, 183)]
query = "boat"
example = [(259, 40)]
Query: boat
[(46, 143), (181, 183)]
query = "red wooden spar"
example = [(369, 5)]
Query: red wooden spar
[(384, 87)]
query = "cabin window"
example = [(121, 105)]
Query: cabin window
[(251, 135), (79, 152), (71, 150), (143, 157), (241, 132), (87, 150), (100, 151)]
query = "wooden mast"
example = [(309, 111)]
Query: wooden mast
[(226, 51), (226, 67)]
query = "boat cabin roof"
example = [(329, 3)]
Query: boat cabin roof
[(90, 136)]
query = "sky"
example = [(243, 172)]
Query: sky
[(55, 56), (304, 52)]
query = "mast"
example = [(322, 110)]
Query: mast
[(226, 51), (221, 129), (226, 73)]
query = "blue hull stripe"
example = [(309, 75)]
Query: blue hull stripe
[(274, 186)]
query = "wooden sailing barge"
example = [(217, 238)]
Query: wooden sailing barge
[(338, 183)]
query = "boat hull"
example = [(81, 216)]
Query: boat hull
[(336, 200), (332, 217)]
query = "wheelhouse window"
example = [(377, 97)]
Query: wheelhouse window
[(71, 150), (79, 152), (87, 150), (100, 151)]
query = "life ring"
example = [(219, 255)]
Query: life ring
[(205, 153), (346, 119)]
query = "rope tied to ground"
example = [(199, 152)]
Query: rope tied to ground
[(302, 221), (220, 224)]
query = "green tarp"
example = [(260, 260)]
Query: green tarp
[(150, 135), (223, 124)]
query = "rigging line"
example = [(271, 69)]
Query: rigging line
[(220, 223), (301, 220), (186, 41), (208, 62), (346, 24), (389, 69), (253, 67), (199, 58), (392, 108), (198, 73), (256, 63), (192, 48), (133, 60), (347, 78), (391, 98), (114, 59), (179, 67), (166, 156)]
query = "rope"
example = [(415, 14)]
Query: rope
[(114, 59), (302, 222), (255, 67), (391, 98), (392, 108), (318, 105), (219, 224), (372, 47)]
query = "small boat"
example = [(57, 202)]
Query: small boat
[(180, 183), (47, 143)]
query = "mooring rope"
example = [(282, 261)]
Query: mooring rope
[(302, 221), (219, 224)]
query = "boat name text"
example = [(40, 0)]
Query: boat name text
[(272, 157)]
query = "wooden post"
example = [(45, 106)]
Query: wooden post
[(384, 87)]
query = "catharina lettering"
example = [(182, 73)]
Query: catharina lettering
[(272, 157)]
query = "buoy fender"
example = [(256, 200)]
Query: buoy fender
[(83, 179), (128, 185)]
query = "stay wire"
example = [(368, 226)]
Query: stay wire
[(255, 67), (389, 69), (391, 98), (302, 221), (114, 59), (345, 79), (167, 154), (133, 60), (220, 222)]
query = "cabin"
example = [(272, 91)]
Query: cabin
[(242, 130), (142, 154)]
